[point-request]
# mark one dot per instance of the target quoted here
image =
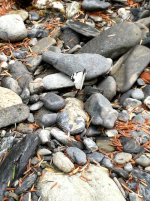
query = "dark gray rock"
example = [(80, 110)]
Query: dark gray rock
[(94, 5), (34, 98), (26, 184), (125, 95), (108, 87), (53, 102), (131, 145), (131, 67), (120, 172), (13, 114), (17, 158), (70, 64), (48, 119), (10, 83), (101, 111), (39, 114), (96, 156), (37, 33), (20, 72), (25, 95), (106, 162), (77, 155), (33, 62), (93, 131), (70, 38), (33, 16), (82, 28), (146, 91), (6, 143), (114, 41), (68, 123), (19, 54)]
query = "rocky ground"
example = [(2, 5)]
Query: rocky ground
[(75, 100)]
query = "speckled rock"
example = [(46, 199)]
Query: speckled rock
[(122, 157)]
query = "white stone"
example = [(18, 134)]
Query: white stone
[(8, 98), (12, 28), (122, 157), (44, 136), (99, 187), (72, 9)]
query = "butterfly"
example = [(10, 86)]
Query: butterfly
[(78, 79)]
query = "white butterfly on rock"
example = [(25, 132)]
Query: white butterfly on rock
[(78, 79)]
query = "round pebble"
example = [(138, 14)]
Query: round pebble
[(137, 94)]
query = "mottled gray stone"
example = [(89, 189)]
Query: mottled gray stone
[(94, 5)]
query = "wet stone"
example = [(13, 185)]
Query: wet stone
[(26, 184), (48, 119), (105, 144), (77, 155), (96, 156)]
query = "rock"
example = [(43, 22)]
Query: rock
[(25, 95), (43, 45), (34, 98), (17, 157), (122, 157), (111, 132), (34, 16), (18, 70), (95, 156), (37, 33), (24, 128), (106, 162), (6, 143), (62, 162), (105, 144), (101, 111), (137, 94), (147, 101), (36, 106), (77, 155), (146, 91), (93, 131), (53, 102), (12, 28), (26, 184), (39, 114), (108, 87), (10, 83), (33, 42), (90, 144), (128, 167), (13, 114), (33, 62), (140, 82), (70, 64), (120, 172), (44, 152), (133, 197), (125, 95), (57, 81), (114, 41), (30, 118), (3, 57), (36, 86), (64, 139), (44, 136), (132, 65), (130, 102), (94, 5), (100, 185), (19, 54), (48, 119), (72, 119), (70, 38), (8, 98), (82, 28), (23, 14), (130, 145), (72, 9), (143, 160), (124, 115)]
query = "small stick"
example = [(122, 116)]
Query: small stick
[(119, 186)]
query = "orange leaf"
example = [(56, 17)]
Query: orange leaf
[(145, 77)]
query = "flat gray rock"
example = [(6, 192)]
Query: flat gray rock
[(94, 5), (12, 28), (57, 81), (99, 187), (108, 87), (82, 28), (13, 114), (131, 67), (114, 41), (101, 111), (94, 64), (43, 45)]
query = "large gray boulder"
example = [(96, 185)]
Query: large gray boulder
[(12, 28), (130, 66), (114, 41), (99, 187), (94, 64), (101, 111)]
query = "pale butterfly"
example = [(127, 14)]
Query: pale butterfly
[(78, 79)]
